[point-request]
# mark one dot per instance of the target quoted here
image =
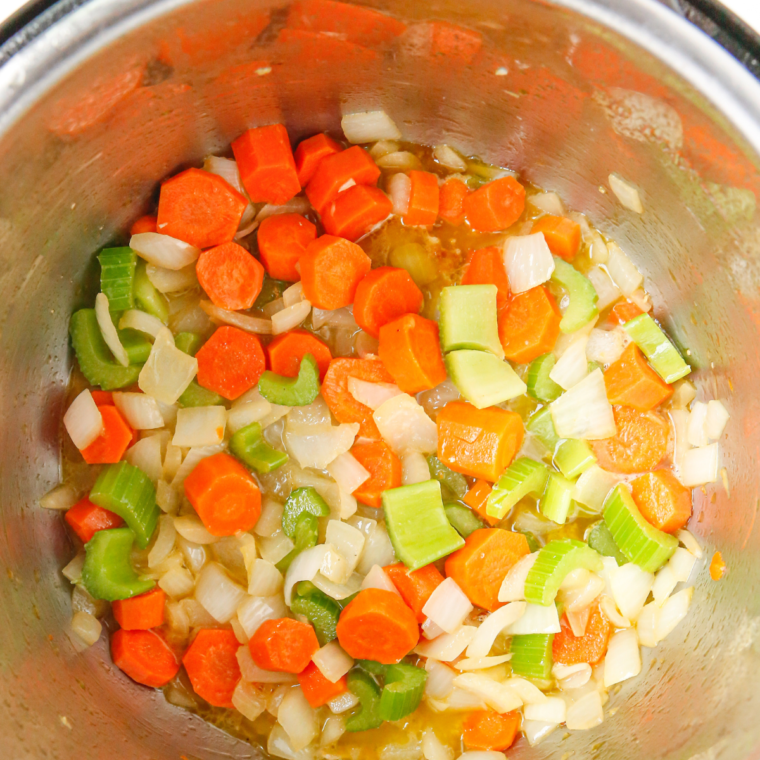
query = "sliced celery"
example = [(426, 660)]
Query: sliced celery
[(581, 294), (524, 476), (248, 445), (305, 536), (469, 319), (574, 457), (136, 344), (367, 716), (147, 297), (375, 668), (450, 481), (417, 524), (600, 540), (532, 655), (656, 346), (463, 519), (402, 693), (302, 500), (541, 425), (482, 378), (321, 611), (292, 391), (554, 562), (117, 274), (540, 385), (197, 395), (641, 542), (557, 498), (188, 342)]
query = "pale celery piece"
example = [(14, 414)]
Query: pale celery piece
[(656, 346), (542, 427), (554, 562), (482, 378), (117, 274), (468, 319), (557, 498), (532, 655), (581, 294), (524, 476), (540, 386), (574, 457)]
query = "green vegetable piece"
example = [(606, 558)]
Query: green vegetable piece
[(292, 391), (574, 457), (136, 344), (540, 385), (554, 562), (271, 290), (117, 274), (641, 542), (557, 498), (582, 308), (524, 476), (319, 609), (469, 319), (541, 425), (402, 693), (533, 544), (463, 519), (600, 540), (302, 500), (417, 524), (128, 492), (450, 480), (188, 342), (482, 378), (656, 346), (94, 357), (375, 668), (249, 446), (304, 537), (147, 297), (197, 395), (367, 715), (107, 572), (532, 655)]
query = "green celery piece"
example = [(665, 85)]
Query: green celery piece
[(248, 445), (136, 344), (482, 378), (321, 611), (402, 693), (582, 308), (367, 716), (197, 395), (94, 356), (532, 655), (302, 500), (641, 542), (656, 346), (147, 297), (469, 319), (188, 342), (541, 425), (117, 274), (417, 524), (524, 476), (452, 481), (271, 290), (128, 492), (554, 562), (463, 519), (107, 572), (292, 391), (574, 457), (557, 498), (540, 385), (591, 366), (304, 536), (375, 668), (600, 540)]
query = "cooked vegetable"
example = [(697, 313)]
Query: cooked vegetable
[(600, 540), (356, 211), (488, 730), (402, 693), (582, 307), (384, 468), (523, 477), (321, 611), (486, 267), (562, 235), (640, 444), (364, 687), (568, 649), (462, 519), (451, 202), (286, 352), (230, 276), (529, 326), (532, 655), (540, 385), (656, 346), (145, 657), (304, 537), (496, 205), (147, 297), (554, 562), (302, 500), (452, 483), (573, 458), (415, 586), (284, 645), (248, 445), (86, 519), (117, 273), (334, 171), (114, 438), (468, 319), (662, 500), (212, 666), (482, 378), (140, 613), (292, 391), (282, 240), (557, 498), (631, 382), (309, 154), (317, 689)]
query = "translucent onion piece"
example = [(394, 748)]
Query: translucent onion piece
[(108, 330), (630, 588), (528, 261), (200, 426), (593, 486), (273, 307), (492, 626), (290, 317), (264, 579), (716, 420), (626, 193), (167, 498), (293, 294), (227, 169), (673, 612), (610, 610), (218, 593), (448, 606), (405, 426), (332, 661), (334, 566), (73, 571), (433, 748), (164, 543), (270, 521), (572, 676), (323, 446), (606, 346), (430, 630), (642, 299), (586, 713), (528, 692), (254, 325), (172, 281), (256, 610), (378, 578), (482, 755), (347, 540), (688, 540), (164, 251), (378, 550), (664, 584), (623, 659), (139, 410), (622, 270), (399, 190), (83, 420), (448, 646), (177, 582), (383, 147), (254, 674), (436, 398), (62, 496), (449, 158), (580, 598), (700, 466), (298, 718), (86, 628), (572, 366), (553, 710), (496, 695), (681, 564), (440, 680), (537, 730), (607, 291), (333, 728), (372, 395), (303, 568), (481, 663), (248, 700), (549, 202), (513, 586), (275, 547), (336, 318), (135, 319), (297, 205), (343, 703), (414, 468), (347, 472), (584, 411), (369, 126), (195, 555), (536, 619), (696, 432), (338, 591), (168, 371)]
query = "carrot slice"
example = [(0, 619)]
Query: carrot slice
[(230, 362), (377, 625), (283, 645), (529, 326), (311, 151), (230, 275), (200, 208), (478, 442), (718, 566), (477, 498), (146, 223), (266, 164), (486, 267), (411, 351), (286, 351), (623, 312), (639, 446), (86, 519), (342, 404), (662, 500), (110, 445), (591, 647), (140, 613), (356, 211), (415, 587), (331, 270), (144, 656), (451, 200), (224, 494), (481, 565), (424, 197), (630, 381), (384, 469), (562, 235), (384, 295), (489, 730), (317, 689), (102, 398), (495, 206), (335, 171), (212, 665), (282, 240)]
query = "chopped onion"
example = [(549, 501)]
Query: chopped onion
[(553, 710), (683, 395), (200, 426), (348, 504), (528, 261), (623, 659), (610, 611), (481, 663), (414, 468), (716, 420), (372, 395), (433, 748), (334, 566), (255, 409), (682, 564), (324, 445), (336, 318), (405, 426), (134, 319), (252, 673), (448, 646), (255, 610), (622, 270), (586, 713), (378, 578), (167, 498), (73, 571), (607, 291), (402, 160), (335, 590), (592, 487), (536, 619), (225, 168), (584, 411), (383, 147), (297, 205), (630, 588), (168, 371), (369, 126), (549, 202), (347, 540), (606, 346), (673, 612), (168, 412), (303, 568), (177, 583), (679, 420), (696, 433), (348, 472), (164, 251), (172, 281), (688, 540), (430, 630), (254, 325), (597, 248), (378, 550), (140, 410), (275, 547), (513, 586), (646, 626), (399, 191), (334, 727), (190, 462), (273, 307), (440, 680), (270, 520), (248, 700), (343, 703), (642, 299), (83, 420), (572, 366), (108, 330), (572, 676), (580, 598), (458, 700), (436, 398), (448, 606), (448, 157), (194, 554), (290, 317), (62, 496), (626, 193), (298, 718), (164, 543), (264, 579), (492, 626), (700, 466), (293, 294), (496, 695), (332, 661), (537, 730), (664, 584), (218, 593), (86, 628)]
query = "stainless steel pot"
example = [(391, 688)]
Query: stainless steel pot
[(97, 106)]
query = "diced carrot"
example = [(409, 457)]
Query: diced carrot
[(411, 351), (110, 445), (384, 469), (377, 625), (481, 565), (562, 235), (140, 613), (224, 494), (146, 223), (212, 665), (284, 645), (623, 312), (230, 275), (86, 519), (489, 730), (200, 208), (266, 164), (317, 689), (477, 499), (102, 398), (424, 198), (630, 381), (718, 566), (334, 172), (342, 404), (286, 351), (282, 240), (639, 446), (311, 151), (230, 362), (496, 206), (356, 211), (454, 42), (591, 647), (451, 200), (486, 267), (331, 270), (145, 657), (478, 442), (415, 587), (662, 500), (529, 326), (384, 295)]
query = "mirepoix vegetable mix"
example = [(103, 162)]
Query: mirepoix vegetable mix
[(374, 446)]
